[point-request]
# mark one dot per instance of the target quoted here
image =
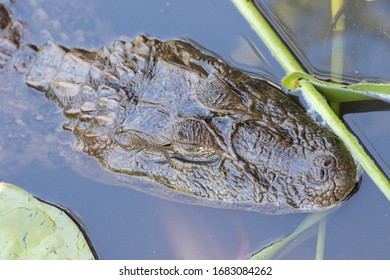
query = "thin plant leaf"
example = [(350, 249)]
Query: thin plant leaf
[(335, 92), (337, 60), (270, 251), (310, 93), (31, 229), (320, 250)]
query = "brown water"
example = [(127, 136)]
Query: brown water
[(126, 224)]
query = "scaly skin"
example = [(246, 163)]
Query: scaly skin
[(170, 112), (173, 113)]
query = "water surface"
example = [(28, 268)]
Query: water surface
[(127, 224)]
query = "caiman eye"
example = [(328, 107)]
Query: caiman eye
[(193, 136), (250, 138)]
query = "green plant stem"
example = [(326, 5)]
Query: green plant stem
[(268, 36), (270, 251), (320, 251), (314, 98), (337, 61)]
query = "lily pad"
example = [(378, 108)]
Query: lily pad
[(32, 229)]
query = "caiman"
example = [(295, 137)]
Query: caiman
[(174, 113)]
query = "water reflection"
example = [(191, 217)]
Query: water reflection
[(309, 28)]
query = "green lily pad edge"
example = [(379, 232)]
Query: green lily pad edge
[(32, 229)]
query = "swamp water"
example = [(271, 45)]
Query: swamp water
[(126, 224)]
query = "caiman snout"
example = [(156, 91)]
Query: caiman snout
[(331, 177)]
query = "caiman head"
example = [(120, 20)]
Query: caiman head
[(177, 115)]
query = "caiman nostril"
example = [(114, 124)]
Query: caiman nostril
[(322, 175), (327, 162)]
